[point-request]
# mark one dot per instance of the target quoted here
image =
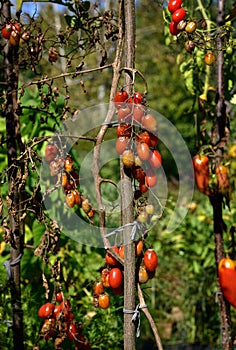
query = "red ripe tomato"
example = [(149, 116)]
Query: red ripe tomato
[(118, 291), (124, 114), (66, 305), (149, 122), (210, 58), (120, 98), (71, 331), (6, 31), (201, 173), (115, 277), (138, 98), (150, 260), (173, 28), (178, 15), (154, 140), (104, 301), (51, 152), (105, 277), (46, 310), (57, 311), (155, 159), (109, 258), (144, 137), (174, 5), (227, 279), (143, 151), (16, 27), (150, 178), (124, 130), (59, 297), (98, 288), (122, 143), (138, 113)]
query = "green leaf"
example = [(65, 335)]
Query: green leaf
[(19, 4)]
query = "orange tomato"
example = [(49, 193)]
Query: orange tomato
[(227, 279)]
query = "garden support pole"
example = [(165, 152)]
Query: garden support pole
[(13, 200), (127, 195)]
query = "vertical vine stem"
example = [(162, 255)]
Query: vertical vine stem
[(14, 144), (217, 200)]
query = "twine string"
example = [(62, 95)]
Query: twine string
[(136, 317), (9, 264)]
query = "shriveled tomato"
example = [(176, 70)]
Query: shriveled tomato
[(115, 277), (105, 277), (70, 199), (124, 130), (150, 259), (71, 331), (223, 180), (128, 158), (98, 288), (46, 310), (201, 173), (51, 152), (109, 258), (104, 301), (68, 164), (142, 275), (227, 279)]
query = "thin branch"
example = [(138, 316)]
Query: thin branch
[(145, 310)]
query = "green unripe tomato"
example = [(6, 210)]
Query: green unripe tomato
[(229, 50)]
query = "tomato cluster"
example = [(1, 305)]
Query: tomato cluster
[(59, 323), (178, 14), (65, 172), (137, 140), (11, 32), (208, 182), (112, 273)]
